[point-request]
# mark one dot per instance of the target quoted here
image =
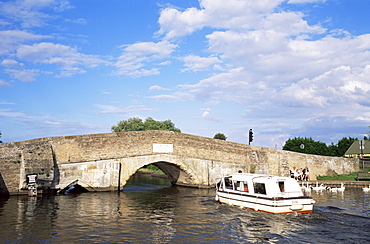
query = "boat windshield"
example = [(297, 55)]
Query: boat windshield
[(228, 183)]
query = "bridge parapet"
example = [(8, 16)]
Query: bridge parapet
[(186, 159)]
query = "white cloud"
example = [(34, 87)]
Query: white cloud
[(50, 126), (157, 88), (108, 109), (26, 75), (306, 1), (11, 39), (175, 24), (174, 97), (6, 103), (207, 115), (196, 63), (31, 13), (4, 83), (139, 55), (10, 63), (9, 113), (269, 52), (68, 58), (232, 15), (341, 86), (235, 85)]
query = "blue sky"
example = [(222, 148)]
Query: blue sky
[(285, 68)]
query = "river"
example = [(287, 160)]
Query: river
[(150, 210)]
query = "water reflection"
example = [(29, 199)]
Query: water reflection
[(150, 210)]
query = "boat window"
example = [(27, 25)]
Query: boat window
[(237, 186), (281, 186), (259, 188), (245, 184), (228, 183)]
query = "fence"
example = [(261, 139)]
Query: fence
[(365, 163)]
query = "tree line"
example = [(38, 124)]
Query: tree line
[(310, 146)]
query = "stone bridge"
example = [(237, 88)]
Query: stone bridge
[(105, 162)]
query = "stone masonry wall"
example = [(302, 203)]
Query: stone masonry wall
[(256, 159), (10, 167), (21, 158), (42, 156)]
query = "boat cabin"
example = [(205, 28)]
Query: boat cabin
[(261, 185)]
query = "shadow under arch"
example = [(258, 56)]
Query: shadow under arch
[(175, 173), (77, 186)]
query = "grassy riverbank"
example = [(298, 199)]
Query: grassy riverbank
[(345, 177)]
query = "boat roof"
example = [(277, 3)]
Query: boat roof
[(246, 176)]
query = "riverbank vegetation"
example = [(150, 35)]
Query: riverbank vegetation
[(344, 177), (349, 177), (152, 169)]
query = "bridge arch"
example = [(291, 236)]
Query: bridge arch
[(178, 172)]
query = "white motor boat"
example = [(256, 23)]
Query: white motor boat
[(267, 193)]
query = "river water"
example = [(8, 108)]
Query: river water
[(149, 210)]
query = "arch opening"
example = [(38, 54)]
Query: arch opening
[(76, 187), (166, 171)]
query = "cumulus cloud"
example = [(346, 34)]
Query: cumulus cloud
[(342, 86), (213, 13), (67, 58), (232, 15), (26, 75), (207, 115), (137, 57), (275, 55), (275, 63), (10, 63), (30, 14), (196, 63), (236, 85), (12, 39)]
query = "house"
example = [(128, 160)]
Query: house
[(359, 148)]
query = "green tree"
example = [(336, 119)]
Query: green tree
[(343, 145), (0, 137), (137, 124), (319, 148), (306, 145), (220, 136), (339, 149)]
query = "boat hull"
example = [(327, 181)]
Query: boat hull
[(265, 204)]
